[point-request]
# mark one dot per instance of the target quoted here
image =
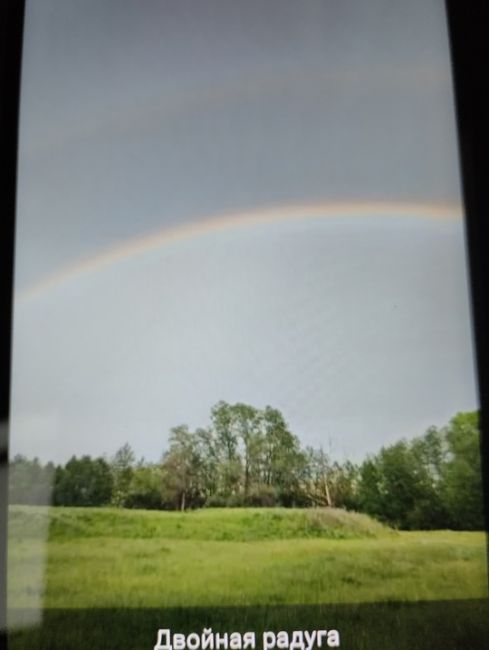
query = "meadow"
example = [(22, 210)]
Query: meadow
[(109, 578), (99, 557)]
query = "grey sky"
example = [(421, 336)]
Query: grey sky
[(141, 116)]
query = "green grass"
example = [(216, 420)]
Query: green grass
[(216, 524), (108, 579), (429, 625), (107, 558)]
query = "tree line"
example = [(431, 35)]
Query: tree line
[(250, 457)]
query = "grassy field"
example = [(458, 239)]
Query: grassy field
[(108, 579), (108, 558)]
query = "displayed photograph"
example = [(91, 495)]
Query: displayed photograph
[(243, 376)]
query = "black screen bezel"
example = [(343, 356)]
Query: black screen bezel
[(468, 23)]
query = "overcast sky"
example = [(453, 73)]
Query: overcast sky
[(160, 117)]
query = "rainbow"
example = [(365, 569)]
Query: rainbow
[(236, 221)]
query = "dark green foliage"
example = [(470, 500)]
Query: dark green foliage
[(430, 482), (263, 496), (397, 487), (122, 468), (249, 457), (461, 485), (182, 471), (83, 481), (144, 490)]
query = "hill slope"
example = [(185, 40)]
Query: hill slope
[(226, 524)]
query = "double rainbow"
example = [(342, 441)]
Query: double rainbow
[(241, 220)]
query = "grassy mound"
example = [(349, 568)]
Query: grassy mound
[(217, 524), (108, 558)]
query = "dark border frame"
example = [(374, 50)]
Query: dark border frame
[(468, 28), (11, 34)]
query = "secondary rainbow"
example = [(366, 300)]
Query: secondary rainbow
[(236, 221)]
